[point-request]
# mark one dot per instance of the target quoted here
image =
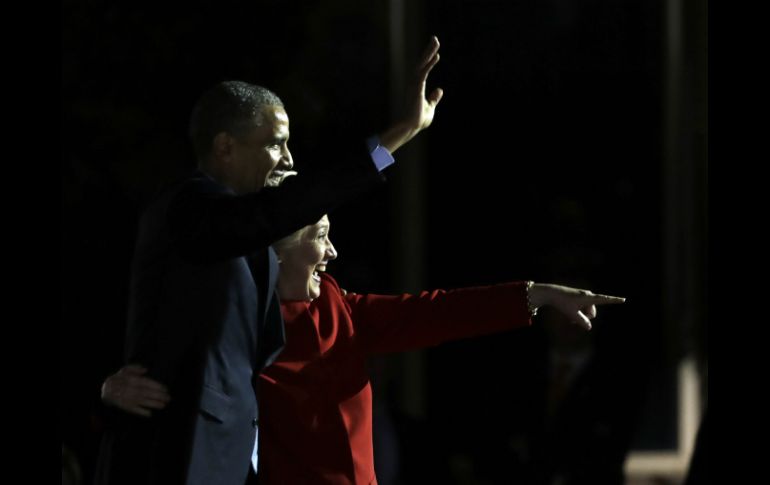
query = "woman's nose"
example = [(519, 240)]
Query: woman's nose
[(331, 253)]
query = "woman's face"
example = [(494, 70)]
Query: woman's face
[(302, 256)]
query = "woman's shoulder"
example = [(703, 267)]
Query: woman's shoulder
[(328, 280)]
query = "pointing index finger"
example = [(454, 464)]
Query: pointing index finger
[(607, 299)]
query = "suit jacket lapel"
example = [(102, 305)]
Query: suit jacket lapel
[(272, 277)]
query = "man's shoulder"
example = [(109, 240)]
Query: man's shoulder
[(192, 184), (198, 181)]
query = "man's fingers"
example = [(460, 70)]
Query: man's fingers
[(151, 394), (430, 51), (153, 403), (139, 410), (141, 383), (149, 385), (422, 75), (139, 394), (435, 96)]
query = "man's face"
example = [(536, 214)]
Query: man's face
[(261, 158)]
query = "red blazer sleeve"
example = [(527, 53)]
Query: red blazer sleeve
[(397, 323)]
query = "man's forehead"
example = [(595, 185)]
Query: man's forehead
[(280, 114), (273, 114)]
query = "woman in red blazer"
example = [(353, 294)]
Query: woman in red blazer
[(315, 399)]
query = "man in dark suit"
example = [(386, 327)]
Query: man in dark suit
[(204, 318)]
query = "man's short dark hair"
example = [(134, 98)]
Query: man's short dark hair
[(231, 106)]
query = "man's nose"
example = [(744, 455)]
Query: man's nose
[(287, 160)]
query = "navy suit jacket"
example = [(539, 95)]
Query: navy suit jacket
[(204, 318)]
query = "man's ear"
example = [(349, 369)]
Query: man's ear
[(222, 147)]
